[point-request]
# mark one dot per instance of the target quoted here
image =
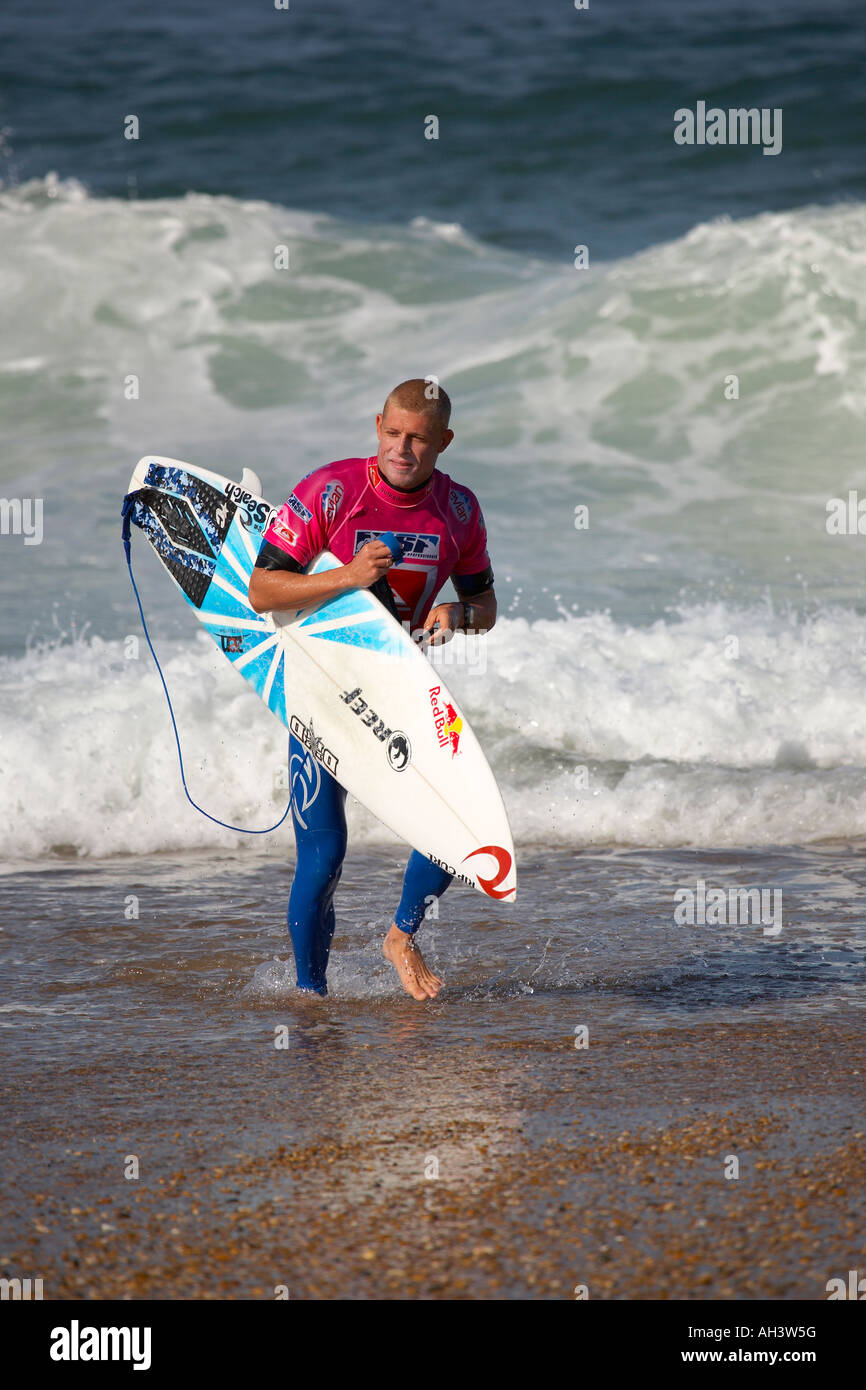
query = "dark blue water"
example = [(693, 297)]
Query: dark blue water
[(556, 125)]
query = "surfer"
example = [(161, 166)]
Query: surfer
[(345, 507)]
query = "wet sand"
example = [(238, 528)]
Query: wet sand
[(557, 1167)]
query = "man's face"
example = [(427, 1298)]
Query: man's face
[(409, 445)]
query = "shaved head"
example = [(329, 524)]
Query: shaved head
[(423, 398), (412, 432)]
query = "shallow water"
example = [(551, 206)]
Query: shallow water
[(592, 939)]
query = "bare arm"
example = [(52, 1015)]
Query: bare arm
[(274, 590)]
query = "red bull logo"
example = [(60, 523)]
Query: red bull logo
[(453, 728), (449, 725)]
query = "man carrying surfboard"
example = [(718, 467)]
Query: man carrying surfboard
[(345, 507)]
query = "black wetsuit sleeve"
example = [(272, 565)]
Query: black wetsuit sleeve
[(270, 557), (385, 594), (469, 585)]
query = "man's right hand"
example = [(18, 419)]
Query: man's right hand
[(273, 591), (370, 563)]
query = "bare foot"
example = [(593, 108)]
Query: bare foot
[(416, 978)]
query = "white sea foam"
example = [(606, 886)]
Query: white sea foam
[(597, 732)]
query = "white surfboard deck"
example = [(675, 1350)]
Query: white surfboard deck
[(344, 676)]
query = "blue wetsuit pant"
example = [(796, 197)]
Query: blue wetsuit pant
[(319, 816)]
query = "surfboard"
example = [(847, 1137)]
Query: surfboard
[(343, 676)]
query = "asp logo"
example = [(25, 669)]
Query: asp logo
[(416, 544)]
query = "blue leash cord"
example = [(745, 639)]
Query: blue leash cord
[(128, 503)]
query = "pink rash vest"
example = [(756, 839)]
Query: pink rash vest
[(343, 505)]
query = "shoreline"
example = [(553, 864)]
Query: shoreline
[(557, 1168)]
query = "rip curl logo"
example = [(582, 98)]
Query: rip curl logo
[(503, 861)]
